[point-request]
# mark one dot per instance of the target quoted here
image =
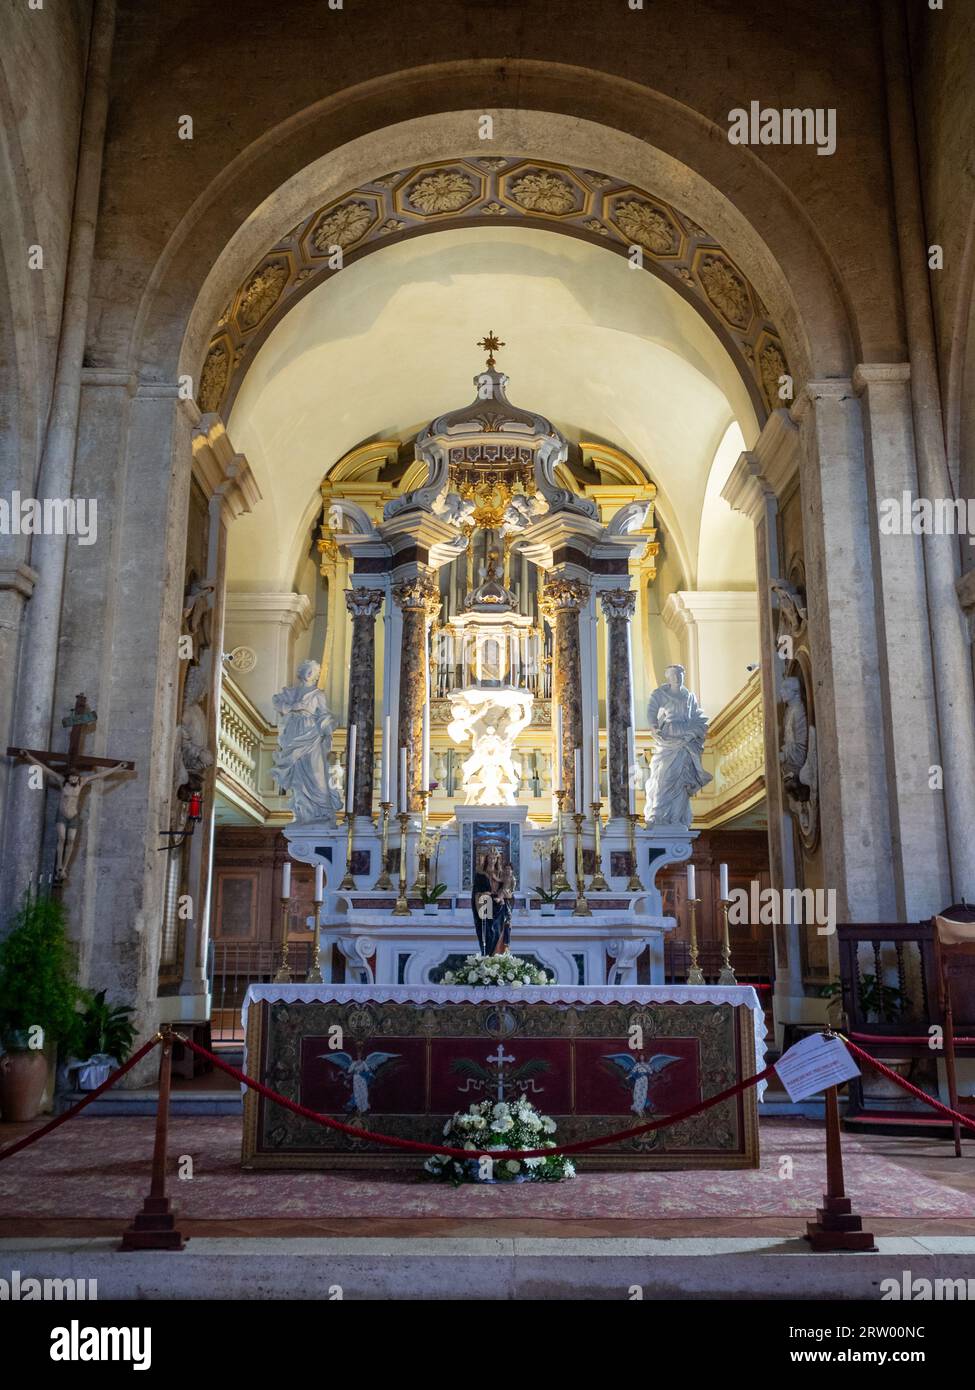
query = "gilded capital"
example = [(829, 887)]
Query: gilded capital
[(618, 603), (566, 594), (421, 592), (363, 603)]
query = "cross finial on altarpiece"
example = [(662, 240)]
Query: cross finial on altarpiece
[(491, 344)]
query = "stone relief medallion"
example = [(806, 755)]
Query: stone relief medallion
[(772, 365), (444, 192), (647, 227), (261, 293), (342, 227), (242, 660), (726, 290), (213, 378), (543, 193)]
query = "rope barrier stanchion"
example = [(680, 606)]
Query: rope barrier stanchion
[(110, 1081), (154, 1227), (838, 1227), (964, 1121)]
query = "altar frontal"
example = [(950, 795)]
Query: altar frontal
[(402, 1061)]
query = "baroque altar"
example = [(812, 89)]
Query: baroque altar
[(409, 1056)]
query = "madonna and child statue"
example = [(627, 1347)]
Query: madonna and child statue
[(491, 899)]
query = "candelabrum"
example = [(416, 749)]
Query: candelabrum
[(560, 883), (420, 883), (727, 975), (581, 908), (384, 881), (695, 976), (635, 885), (348, 881), (314, 976), (598, 884), (402, 908), (283, 977)]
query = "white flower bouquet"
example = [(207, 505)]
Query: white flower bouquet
[(497, 970), (500, 1125)]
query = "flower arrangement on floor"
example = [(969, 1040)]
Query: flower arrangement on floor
[(500, 1125), (497, 970)]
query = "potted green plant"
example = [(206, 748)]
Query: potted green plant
[(38, 999), (544, 849), (103, 1039), (431, 898), (430, 848)]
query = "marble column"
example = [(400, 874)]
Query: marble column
[(417, 599), (567, 598), (363, 604), (618, 606)]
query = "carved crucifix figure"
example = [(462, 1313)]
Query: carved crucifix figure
[(65, 771)]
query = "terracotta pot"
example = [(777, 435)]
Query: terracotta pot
[(23, 1076)]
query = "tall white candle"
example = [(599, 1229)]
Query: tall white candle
[(631, 768), (722, 880), (691, 884), (402, 782), (557, 783), (286, 879), (387, 754), (597, 792), (350, 770), (580, 793), (425, 767), (319, 882)]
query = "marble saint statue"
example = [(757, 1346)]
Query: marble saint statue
[(678, 727), (304, 740)]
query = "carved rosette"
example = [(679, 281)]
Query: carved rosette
[(214, 377), (726, 290), (343, 227), (261, 294), (543, 193), (444, 192), (648, 227)]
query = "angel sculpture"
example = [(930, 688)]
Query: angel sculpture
[(637, 1074), (360, 1073)]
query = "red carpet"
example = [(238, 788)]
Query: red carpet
[(100, 1169)]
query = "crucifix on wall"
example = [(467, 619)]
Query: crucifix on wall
[(66, 771)]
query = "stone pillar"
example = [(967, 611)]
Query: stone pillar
[(568, 597), (417, 599), (619, 606), (363, 604)]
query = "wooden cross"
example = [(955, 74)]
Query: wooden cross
[(67, 769), (79, 721)]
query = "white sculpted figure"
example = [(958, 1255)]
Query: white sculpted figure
[(678, 726), (492, 720), (305, 738)]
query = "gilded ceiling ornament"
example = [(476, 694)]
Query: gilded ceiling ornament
[(391, 224), (492, 163), (494, 210), (594, 225), (443, 192), (213, 378), (647, 226), (726, 290), (772, 366), (543, 193), (342, 227), (261, 293)]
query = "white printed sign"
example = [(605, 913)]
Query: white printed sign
[(814, 1064)]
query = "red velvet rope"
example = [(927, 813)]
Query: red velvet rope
[(878, 1038), (497, 1154), (907, 1085), (11, 1149)]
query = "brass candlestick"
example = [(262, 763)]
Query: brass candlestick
[(402, 908), (420, 883), (384, 881), (283, 977), (727, 975), (695, 976), (581, 908), (348, 881), (314, 976), (560, 884), (635, 885), (597, 883)]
